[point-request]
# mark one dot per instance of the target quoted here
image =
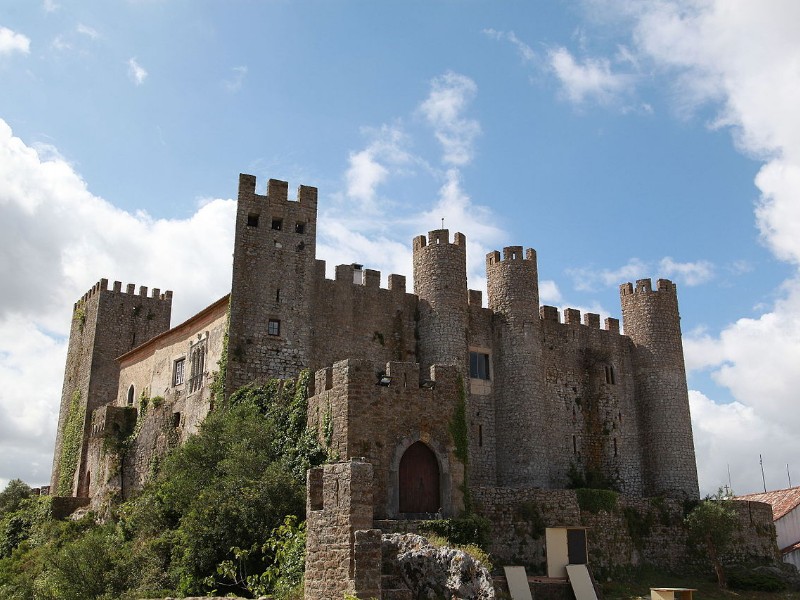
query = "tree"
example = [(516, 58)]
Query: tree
[(712, 524), (10, 498)]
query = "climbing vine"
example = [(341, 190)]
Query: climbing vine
[(218, 379), (460, 433), (71, 443)]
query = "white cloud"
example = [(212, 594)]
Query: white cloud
[(136, 72), (450, 95), (588, 279), (234, 84), (87, 31), (58, 239), (688, 273), (370, 167), (592, 79), (525, 51), (50, 6), (11, 41), (741, 59)]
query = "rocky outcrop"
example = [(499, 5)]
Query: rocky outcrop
[(410, 561)]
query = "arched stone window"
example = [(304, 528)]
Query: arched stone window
[(131, 395), (197, 359), (419, 480)]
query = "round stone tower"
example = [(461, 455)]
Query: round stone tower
[(440, 282), (521, 413), (650, 318)]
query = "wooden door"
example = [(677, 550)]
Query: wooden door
[(419, 480)]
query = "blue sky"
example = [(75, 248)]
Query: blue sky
[(620, 140)]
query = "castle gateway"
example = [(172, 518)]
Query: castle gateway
[(540, 400)]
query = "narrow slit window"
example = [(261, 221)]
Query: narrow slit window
[(131, 394), (480, 435)]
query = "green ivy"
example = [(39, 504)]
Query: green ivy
[(594, 501), (79, 316), (218, 380), (459, 433), (71, 444), (463, 531)]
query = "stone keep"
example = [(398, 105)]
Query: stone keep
[(511, 395)]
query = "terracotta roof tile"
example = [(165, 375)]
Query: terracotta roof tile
[(792, 548), (782, 501)]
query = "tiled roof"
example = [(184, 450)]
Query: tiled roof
[(782, 501), (792, 548)]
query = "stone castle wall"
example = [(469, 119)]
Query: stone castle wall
[(105, 324), (358, 419)]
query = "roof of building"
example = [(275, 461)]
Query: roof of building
[(791, 548), (782, 501)]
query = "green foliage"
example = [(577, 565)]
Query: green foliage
[(530, 513), (589, 478), (157, 401), (471, 529), (594, 501), (473, 550), (218, 381), (711, 524), (755, 579), (210, 506), (460, 434), (71, 442), (638, 525), (79, 316), (12, 496)]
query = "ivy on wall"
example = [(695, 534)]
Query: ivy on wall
[(460, 433), (71, 444)]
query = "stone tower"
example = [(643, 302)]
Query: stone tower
[(440, 281), (273, 283), (650, 318), (105, 324), (521, 412)]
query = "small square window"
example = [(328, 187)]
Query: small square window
[(277, 224), (299, 227), (252, 220), (479, 365), (274, 327), (178, 371)]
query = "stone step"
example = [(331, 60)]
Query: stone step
[(396, 594)]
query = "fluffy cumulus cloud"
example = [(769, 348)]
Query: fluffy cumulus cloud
[(588, 79), (444, 110), (345, 233), (12, 42), (685, 273), (58, 239), (741, 60)]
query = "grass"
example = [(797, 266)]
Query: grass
[(636, 586)]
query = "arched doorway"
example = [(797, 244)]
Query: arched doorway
[(419, 480)]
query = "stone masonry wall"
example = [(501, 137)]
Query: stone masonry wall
[(106, 324), (378, 423), (362, 320), (637, 531), (343, 551), (651, 320)]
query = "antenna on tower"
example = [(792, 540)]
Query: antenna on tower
[(763, 479), (442, 222), (730, 485), (789, 475)]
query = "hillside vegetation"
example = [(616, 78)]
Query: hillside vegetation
[(223, 513)]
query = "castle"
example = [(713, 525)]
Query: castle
[(442, 397)]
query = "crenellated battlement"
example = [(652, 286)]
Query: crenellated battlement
[(440, 237), (510, 254), (572, 316), (355, 274), (277, 192), (645, 286), (130, 290)]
